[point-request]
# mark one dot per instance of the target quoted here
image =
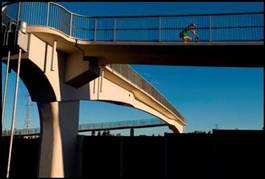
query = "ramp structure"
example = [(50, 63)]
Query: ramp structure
[(67, 57)]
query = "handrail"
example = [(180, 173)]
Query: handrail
[(129, 73), (72, 28), (61, 7), (101, 126), (172, 15)]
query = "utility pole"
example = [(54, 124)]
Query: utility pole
[(27, 122)]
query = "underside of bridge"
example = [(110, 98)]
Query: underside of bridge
[(72, 77)]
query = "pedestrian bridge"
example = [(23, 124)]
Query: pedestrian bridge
[(148, 39), (67, 57)]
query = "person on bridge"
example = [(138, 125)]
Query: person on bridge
[(184, 34)]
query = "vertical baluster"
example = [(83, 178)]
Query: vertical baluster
[(86, 21), (114, 29), (210, 28), (70, 26), (47, 15), (159, 30), (14, 114), (5, 87), (95, 30), (31, 14), (18, 12)]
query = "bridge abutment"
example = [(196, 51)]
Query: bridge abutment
[(59, 130)]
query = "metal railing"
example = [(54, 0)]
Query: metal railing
[(127, 72), (99, 126), (122, 125), (162, 28)]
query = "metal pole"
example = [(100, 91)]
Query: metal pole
[(18, 13), (210, 28), (17, 25), (14, 113), (71, 22), (114, 29), (5, 89), (48, 12), (95, 30), (159, 30)]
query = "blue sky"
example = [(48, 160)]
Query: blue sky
[(229, 97), (160, 8)]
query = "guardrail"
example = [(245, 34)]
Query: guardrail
[(127, 72), (164, 28), (99, 126)]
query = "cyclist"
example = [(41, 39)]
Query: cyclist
[(184, 34)]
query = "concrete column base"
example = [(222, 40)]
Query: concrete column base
[(59, 131)]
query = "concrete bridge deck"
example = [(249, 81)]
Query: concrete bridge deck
[(228, 39), (216, 53)]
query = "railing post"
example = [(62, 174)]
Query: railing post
[(210, 28), (18, 12), (159, 30), (14, 114), (114, 29), (48, 13), (71, 24), (95, 30), (5, 88)]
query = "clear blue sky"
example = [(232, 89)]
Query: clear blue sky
[(229, 97), (159, 8)]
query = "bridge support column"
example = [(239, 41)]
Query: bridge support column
[(59, 131)]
